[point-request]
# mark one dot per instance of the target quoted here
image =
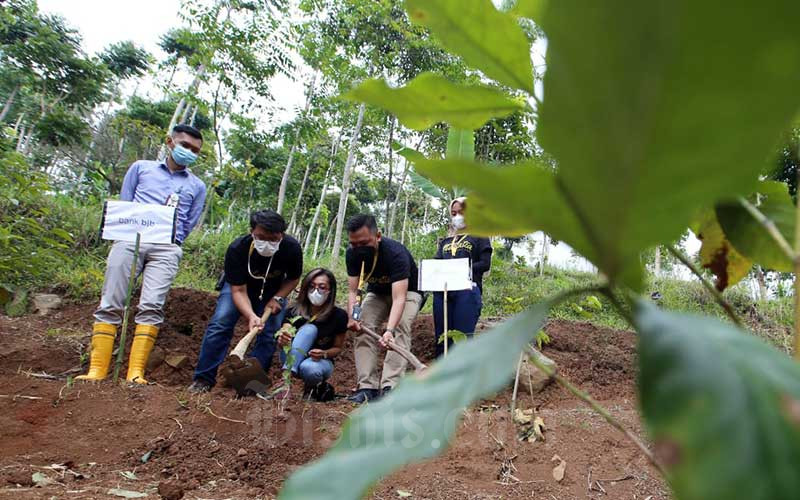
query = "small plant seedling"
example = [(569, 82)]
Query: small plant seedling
[(454, 335), (541, 339), (593, 303), (512, 305), (286, 375)]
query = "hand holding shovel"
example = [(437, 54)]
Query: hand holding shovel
[(408, 355)]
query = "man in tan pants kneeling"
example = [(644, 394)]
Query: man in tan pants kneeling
[(388, 271)]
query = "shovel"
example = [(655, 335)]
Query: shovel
[(246, 376)]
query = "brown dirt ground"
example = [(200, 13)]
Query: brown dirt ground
[(90, 438)]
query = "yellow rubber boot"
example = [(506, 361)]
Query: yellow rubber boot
[(143, 340), (103, 335)]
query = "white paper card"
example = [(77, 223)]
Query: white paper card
[(123, 219), (434, 273)]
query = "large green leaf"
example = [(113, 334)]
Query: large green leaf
[(430, 98), (655, 109), (410, 154), (485, 38), (418, 419), (517, 200), (749, 237), (426, 186), (460, 144), (722, 407)]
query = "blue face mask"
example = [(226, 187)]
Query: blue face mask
[(183, 156)]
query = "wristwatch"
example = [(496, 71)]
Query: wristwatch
[(280, 300), (390, 330)]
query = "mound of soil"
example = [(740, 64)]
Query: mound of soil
[(88, 439)]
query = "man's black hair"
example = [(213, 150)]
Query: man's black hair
[(187, 129), (356, 222), (269, 220)]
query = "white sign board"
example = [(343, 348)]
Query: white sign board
[(123, 219), (435, 273)]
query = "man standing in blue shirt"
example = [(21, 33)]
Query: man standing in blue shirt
[(160, 183)]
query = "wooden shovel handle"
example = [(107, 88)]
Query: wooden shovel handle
[(241, 347), (408, 355)]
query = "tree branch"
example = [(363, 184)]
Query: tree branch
[(770, 227), (707, 284), (598, 408)]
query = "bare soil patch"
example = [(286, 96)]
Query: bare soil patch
[(90, 439)]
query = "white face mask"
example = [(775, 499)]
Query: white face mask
[(458, 222), (266, 248), (317, 297)]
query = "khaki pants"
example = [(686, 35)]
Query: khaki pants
[(374, 312), (157, 262)]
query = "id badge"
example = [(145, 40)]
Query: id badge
[(172, 200)]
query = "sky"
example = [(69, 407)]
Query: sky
[(102, 23)]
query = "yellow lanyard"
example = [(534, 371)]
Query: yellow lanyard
[(454, 244), (362, 280)]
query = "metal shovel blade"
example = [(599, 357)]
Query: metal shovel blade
[(246, 376)]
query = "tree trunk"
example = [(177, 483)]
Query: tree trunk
[(192, 90), (762, 284), (392, 216), (329, 234), (18, 122), (405, 219), (9, 102), (185, 115), (390, 229), (348, 167), (194, 115), (334, 150), (545, 252), (287, 171), (657, 262), (21, 138), (316, 241), (389, 177), (296, 208)]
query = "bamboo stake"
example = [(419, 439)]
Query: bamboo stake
[(131, 281), (446, 340)]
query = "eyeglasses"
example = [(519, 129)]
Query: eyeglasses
[(321, 288)]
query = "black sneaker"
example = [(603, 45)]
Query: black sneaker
[(364, 395), (199, 386), (322, 392), (386, 390)]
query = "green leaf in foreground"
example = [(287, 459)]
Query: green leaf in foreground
[(484, 37), (430, 98), (518, 200), (749, 237), (722, 407), (651, 116), (418, 419)]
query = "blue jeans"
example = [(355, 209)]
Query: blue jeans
[(312, 372), (219, 333), (463, 311)]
